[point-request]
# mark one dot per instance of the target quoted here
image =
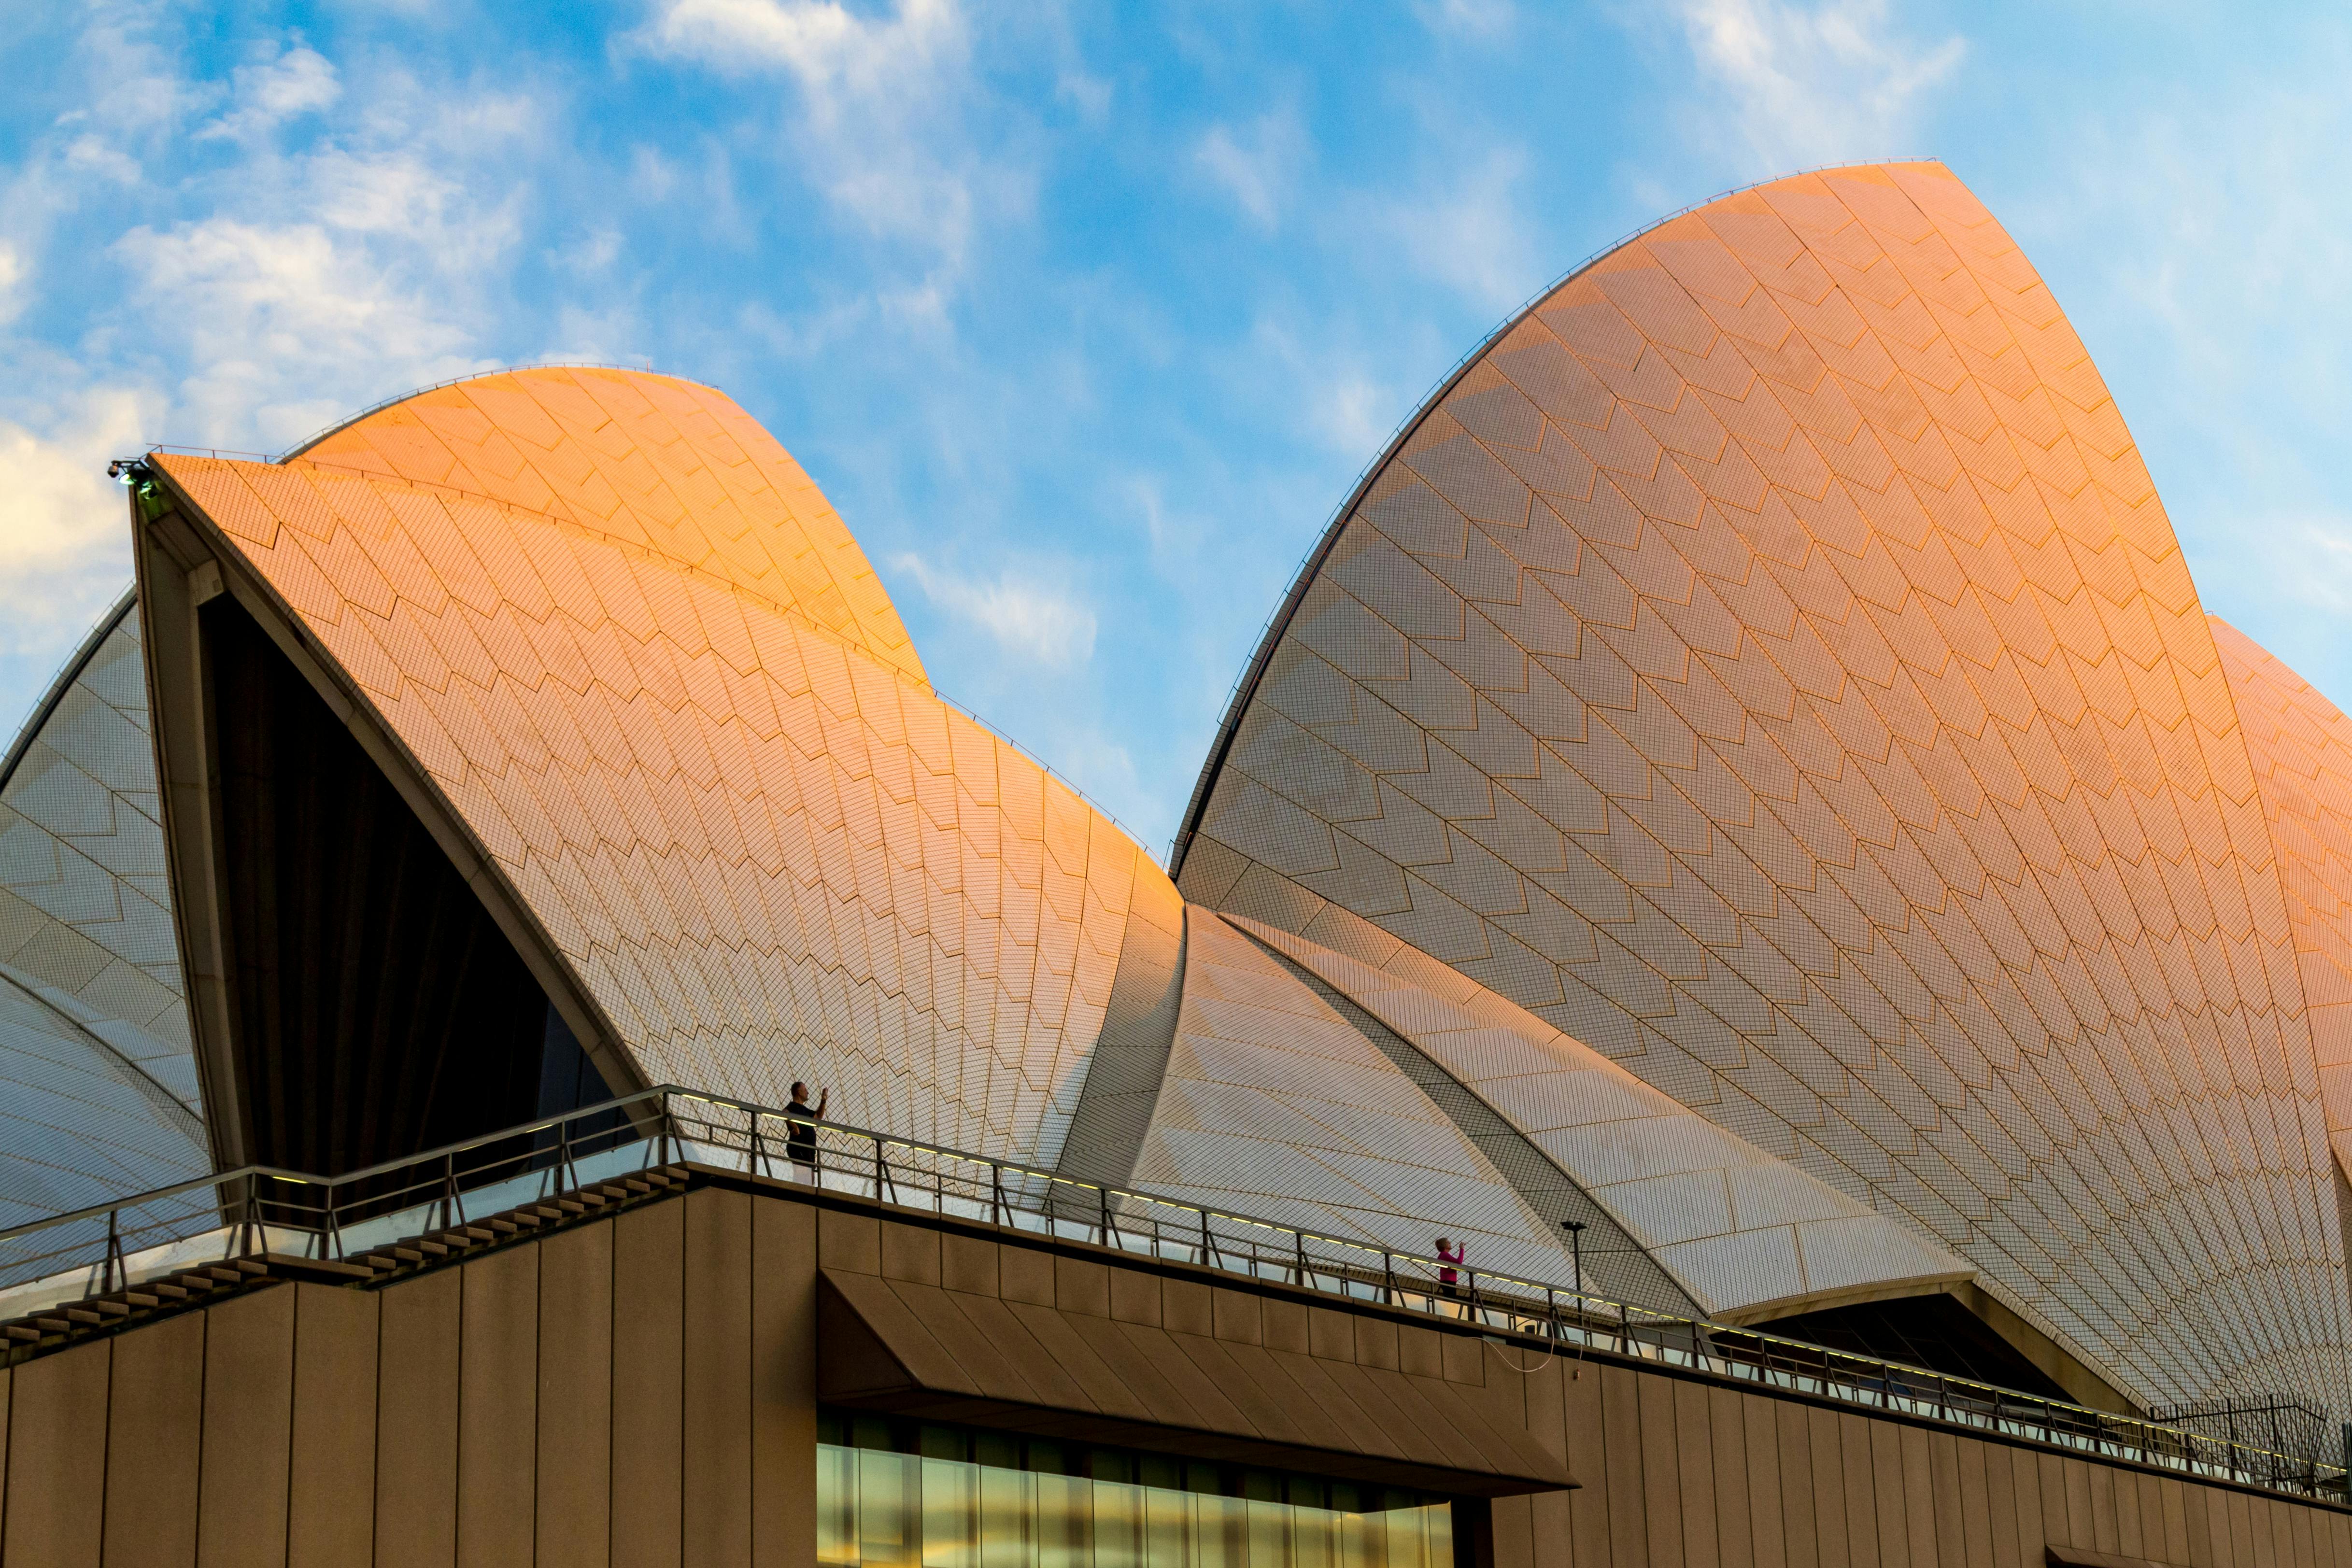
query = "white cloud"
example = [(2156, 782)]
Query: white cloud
[(270, 93), (2314, 561), (1025, 618), (13, 274), (1356, 416), (1089, 95), (1469, 19), (65, 533), (287, 326), (878, 126), (1257, 164), (1815, 84), (1466, 232)]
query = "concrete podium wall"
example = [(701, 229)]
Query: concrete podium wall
[(639, 1390)]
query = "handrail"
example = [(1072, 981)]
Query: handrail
[(263, 1208)]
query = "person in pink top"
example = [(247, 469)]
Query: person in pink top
[(1449, 1255)]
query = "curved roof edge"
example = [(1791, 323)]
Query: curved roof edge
[(326, 431), (1245, 685), (69, 672)]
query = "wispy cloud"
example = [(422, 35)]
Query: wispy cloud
[(1257, 164), (272, 92), (13, 279), (2312, 561), (64, 541), (1818, 83), (286, 327), (878, 127), (1481, 19), (1024, 616), (1465, 231)]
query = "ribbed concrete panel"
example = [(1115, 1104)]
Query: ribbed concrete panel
[(98, 1082), (767, 852), (1275, 1107), (85, 898), (1123, 1075), (98, 1085), (651, 462), (1606, 1259), (1771, 664), (81, 1120), (2301, 748), (1749, 1236)]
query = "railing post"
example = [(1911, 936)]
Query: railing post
[(1208, 1255), (113, 1252), (759, 1154), (995, 1192), (1388, 1277), (881, 1171), (1102, 1209), (1301, 1238)]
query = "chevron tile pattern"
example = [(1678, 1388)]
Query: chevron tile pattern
[(769, 852), (1742, 1232), (2302, 749), (651, 462), (1273, 1105), (1770, 664), (98, 1079)]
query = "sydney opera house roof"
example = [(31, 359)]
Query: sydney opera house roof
[(1746, 773)]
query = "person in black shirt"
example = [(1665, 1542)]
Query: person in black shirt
[(800, 1140)]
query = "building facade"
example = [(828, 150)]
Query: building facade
[(1741, 816)]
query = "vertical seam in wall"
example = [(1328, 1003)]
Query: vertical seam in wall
[(611, 1368), (293, 1410), (106, 1445), (375, 1481), (203, 1404), (538, 1403), (538, 1304), (457, 1444), (749, 1206)]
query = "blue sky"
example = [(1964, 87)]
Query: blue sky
[(1086, 317)]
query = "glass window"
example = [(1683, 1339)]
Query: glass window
[(903, 1494)]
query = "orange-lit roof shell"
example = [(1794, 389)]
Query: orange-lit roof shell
[(767, 848), (1769, 664), (653, 462)]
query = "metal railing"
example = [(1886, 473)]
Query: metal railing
[(50, 1262)]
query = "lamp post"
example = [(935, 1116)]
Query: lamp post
[(1575, 1229)]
